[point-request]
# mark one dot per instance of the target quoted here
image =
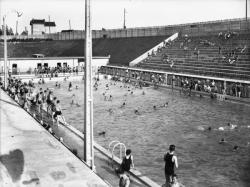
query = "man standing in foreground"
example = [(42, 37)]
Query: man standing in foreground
[(170, 163)]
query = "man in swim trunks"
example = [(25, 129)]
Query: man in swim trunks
[(170, 164), (58, 112)]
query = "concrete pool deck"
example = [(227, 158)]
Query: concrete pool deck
[(20, 129), (31, 156)]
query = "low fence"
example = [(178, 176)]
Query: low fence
[(225, 86)]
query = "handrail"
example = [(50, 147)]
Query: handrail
[(121, 144), (112, 142), (33, 111)]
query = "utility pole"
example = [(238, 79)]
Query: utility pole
[(69, 25), (246, 10), (5, 54), (49, 24), (124, 19), (16, 27), (88, 95)]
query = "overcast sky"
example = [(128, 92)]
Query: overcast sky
[(109, 13)]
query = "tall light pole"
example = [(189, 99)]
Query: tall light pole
[(5, 54), (6, 68), (88, 95)]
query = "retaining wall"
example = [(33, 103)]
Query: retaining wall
[(195, 29)]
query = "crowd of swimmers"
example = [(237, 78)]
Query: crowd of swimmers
[(27, 95), (131, 87), (228, 127)]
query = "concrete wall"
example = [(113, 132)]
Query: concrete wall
[(199, 28), (152, 50), (26, 64), (37, 29)]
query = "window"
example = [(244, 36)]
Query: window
[(59, 64), (39, 65), (65, 64), (14, 66), (45, 65)]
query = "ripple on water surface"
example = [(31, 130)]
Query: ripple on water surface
[(202, 160)]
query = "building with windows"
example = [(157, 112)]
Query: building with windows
[(40, 26), (28, 65)]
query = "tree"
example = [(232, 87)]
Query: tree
[(10, 31), (24, 33)]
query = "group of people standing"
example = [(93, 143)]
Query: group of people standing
[(31, 98)]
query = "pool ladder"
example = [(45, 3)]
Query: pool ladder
[(112, 145)]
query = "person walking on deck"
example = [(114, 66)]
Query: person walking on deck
[(170, 164), (127, 161)]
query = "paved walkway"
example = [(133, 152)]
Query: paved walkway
[(31, 156)]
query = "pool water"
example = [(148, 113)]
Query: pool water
[(202, 160)]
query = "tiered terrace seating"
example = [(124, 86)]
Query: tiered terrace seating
[(207, 55), (121, 50)]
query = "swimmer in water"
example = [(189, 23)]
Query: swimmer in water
[(110, 98), (221, 128), (56, 83), (231, 126), (136, 112), (123, 105), (110, 111), (154, 107), (236, 147), (73, 99), (70, 86), (209, 128), (222, 141), (166, 104)]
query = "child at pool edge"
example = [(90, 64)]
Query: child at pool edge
[(124, 180), (58, 112), (175, 182)]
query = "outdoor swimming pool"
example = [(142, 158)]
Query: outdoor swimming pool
[(202, 160)]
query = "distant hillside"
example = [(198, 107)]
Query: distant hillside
[(122, 50)]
